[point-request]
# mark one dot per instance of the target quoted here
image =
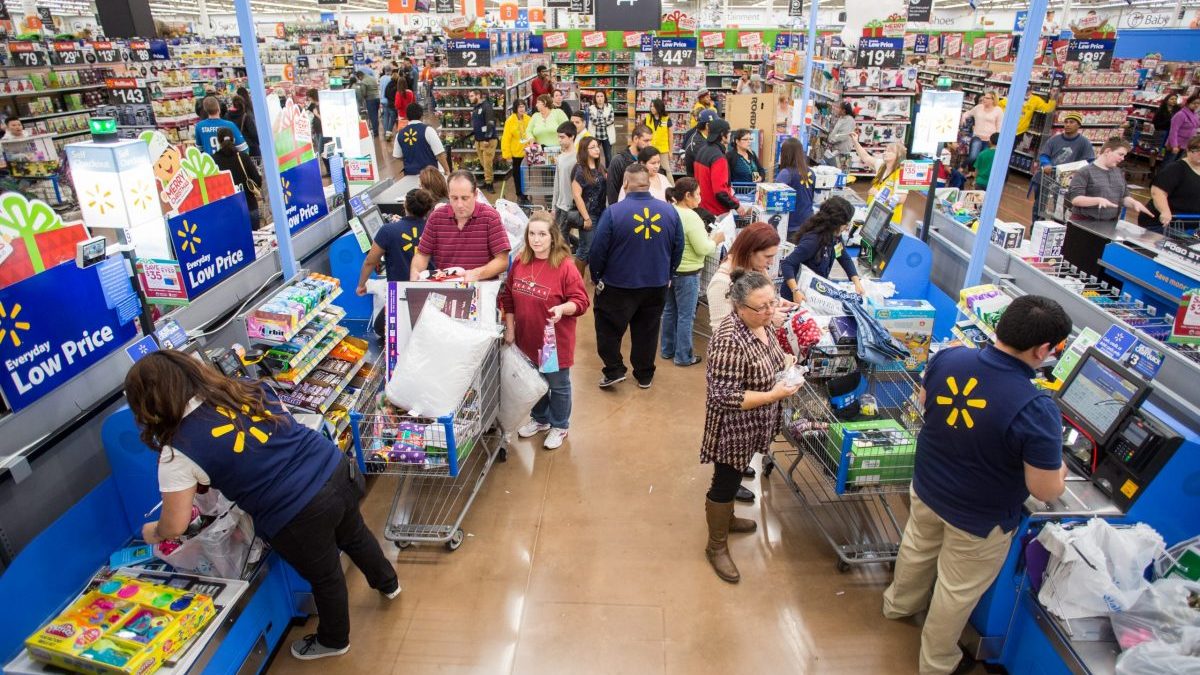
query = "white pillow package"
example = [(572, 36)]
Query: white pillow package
[(437, 365)]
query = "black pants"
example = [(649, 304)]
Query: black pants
[(310, 543), (725, 483), (638, 310)]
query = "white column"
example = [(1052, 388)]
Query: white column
[(204, 24)]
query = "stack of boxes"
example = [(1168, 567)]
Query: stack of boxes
[(290, 308), (881, 452), (985, 302)]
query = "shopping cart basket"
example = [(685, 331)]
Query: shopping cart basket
[(702, 326), (1052, 200), (442, 462), (539, 180), (1184, 228), (851, 474)]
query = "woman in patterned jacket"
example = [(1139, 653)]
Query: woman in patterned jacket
[(742, 408)]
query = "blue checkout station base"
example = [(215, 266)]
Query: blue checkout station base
[(1145, 279), (345, 263), (53, 568)]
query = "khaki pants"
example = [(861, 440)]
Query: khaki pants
[(487, 157), (947, 570)]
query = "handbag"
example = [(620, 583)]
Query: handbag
[(251, 186)]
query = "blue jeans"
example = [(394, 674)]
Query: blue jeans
[(389, 119), (373, 116), (555, 407), (584, 249), (977, 146), (678, 315)]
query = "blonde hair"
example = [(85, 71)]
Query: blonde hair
[(884, 169), (559, 250)]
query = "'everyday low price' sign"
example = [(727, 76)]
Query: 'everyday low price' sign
[(303, 195), (212, 242)]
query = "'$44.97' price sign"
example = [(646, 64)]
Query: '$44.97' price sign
[(674, 52), (880, 52)]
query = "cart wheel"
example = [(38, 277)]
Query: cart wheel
[(456, 540), (843, 566), (403, 544), (502, 454)]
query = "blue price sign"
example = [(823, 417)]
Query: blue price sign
[(212, 242), (536, 45), (921, 43), (674, 52), (1092, 54), (880, 52), (42, 345), (141, 348), (303, 195), (1021, 19), (469, 53)]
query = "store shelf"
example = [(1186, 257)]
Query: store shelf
[(341, 386), (51, 66), (68, 134), (52, 90), (290, 379), (825, 94), (490, 87), (57, 114), (336, 314), (1074, 106), (304, 321), (850, 93), (585, 63), (1108, 87), (176, 121), (1021, 153), (975, 321)]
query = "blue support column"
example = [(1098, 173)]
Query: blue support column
[(262, 119), (811, 45), (1008, 127)]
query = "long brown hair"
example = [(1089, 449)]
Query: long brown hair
[(432, 180), (792, 156), (756, 237), (581, 160), (559, 250), (884, 169), (161, 384)]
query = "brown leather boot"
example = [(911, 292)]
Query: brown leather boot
[(718, 516), (741, 525)]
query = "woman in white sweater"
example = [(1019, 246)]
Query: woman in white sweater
[(754, 248)]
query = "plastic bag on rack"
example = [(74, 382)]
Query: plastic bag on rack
[(1160, 614), (520, 388), (1096, 569), (514, 220), (438, 364), (1157, 657), (221, 548)]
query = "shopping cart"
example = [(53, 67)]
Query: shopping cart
[(851, 475), (702, 326), (1052, 200), (1185, 228), (539, 180), (442, 462)]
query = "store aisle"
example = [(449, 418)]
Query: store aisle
[(590, 559)]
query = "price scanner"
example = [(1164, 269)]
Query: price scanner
[(1108, 437)]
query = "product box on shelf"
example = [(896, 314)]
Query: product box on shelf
[(828, 177), (123, 626), (882, 451), (281, 315), (911, 323), (1186, 328), (1046, 238), (1007, 235), (775, 197)]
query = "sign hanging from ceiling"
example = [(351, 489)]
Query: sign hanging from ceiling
[(332, 2), (1095, 54), (674, 52), (795, 7), (628, 14), (469, 53), (920, 10), (880, 52)]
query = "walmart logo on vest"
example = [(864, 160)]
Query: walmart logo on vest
[(410, 137), (410, 238), (239, 441), (646, 223), (957, 409)]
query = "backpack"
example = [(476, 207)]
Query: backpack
[(389, 93)]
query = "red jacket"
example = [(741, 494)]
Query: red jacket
[(538, 87), (403, 98), (712, 173)]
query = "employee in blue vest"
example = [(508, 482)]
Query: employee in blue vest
[(303, 494), (638, 245), (420, 143), (989, 440)]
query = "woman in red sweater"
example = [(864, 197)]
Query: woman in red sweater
[(543, 295), (404, 97)]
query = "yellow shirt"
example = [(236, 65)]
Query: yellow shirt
[(696, 109), (892, 182), (510, 142), (1034, 104), (661, 140)]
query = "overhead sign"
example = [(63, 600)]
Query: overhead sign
[(795, 7), (1096, 54), (42, 345), (674, 52), (594, 38), (880, 52), (937, 120), (474, 53), (303, 195), (628, 14), (752, 39), (714, 38), (554, 40), (1020, 20), (212, 242), (920, 10), (921, 43)]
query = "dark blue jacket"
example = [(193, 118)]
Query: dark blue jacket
[(483, 121), (638, 242), (417, 153), (804, 196), (810, 253)]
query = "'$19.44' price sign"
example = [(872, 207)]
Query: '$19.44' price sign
[(674, 52), (880, 52)]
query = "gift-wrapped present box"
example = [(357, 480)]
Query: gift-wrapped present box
[(208, 182), (33, 238)]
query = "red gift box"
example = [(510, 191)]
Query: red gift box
[(55, 246), (206, 190)]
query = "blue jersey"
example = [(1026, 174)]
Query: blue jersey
[(206, 135)]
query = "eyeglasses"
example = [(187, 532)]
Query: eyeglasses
[(770, 306)]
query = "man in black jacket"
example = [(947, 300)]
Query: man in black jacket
[(483, 127), (695, 139), (639, 139)]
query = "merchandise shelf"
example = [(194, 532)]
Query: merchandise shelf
[(291, 378), (304, 321), (335, 314)]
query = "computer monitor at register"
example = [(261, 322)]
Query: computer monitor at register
[(875, 224), (1099, 394)]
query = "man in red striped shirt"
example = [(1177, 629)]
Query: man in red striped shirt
[(464, 233)]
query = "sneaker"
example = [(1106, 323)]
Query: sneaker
[(532, 428), (554, 439), (393, 594), (692, 362), (645, 384), (606, 381), (308, 649)]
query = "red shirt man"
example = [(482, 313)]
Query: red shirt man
[(542, 84), (464, 233)]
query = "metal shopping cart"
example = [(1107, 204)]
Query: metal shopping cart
[(442, 462), (1052, 200), (1184, 229), (702, 327), (851, 475), (539, 180)]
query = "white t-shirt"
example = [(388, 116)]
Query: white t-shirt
[(176, 471), (435, 143)]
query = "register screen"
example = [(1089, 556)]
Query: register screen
[(1098, 394)]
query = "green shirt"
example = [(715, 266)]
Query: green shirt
[(983, 166), (544, 130), (696, 243)]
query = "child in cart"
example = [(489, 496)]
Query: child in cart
[(542, 297)]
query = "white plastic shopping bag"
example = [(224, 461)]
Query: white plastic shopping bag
[(438, 364), (221, 548), (1159, 657), (520, 388), (1096, 569)]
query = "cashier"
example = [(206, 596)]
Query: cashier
[(819, 243), (1175, 193), (234, 435), (1098, 190), (990, 439)]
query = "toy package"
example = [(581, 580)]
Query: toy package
[(123, 626), (775, 197), (881, 451), (911, 323)]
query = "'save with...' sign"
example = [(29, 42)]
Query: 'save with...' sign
[(674, 52)]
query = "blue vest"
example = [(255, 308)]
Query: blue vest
[(644, 236), (271, 470), (965, 470), (417, 153)]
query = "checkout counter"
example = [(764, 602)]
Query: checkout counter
[(1133, 445)]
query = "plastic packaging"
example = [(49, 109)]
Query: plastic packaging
[(520, 388), (1160, 614), (793, 376), (218, 550), (1157, 657), (437, 365), (1096, 569)]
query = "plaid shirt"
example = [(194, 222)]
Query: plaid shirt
[(601, 120)]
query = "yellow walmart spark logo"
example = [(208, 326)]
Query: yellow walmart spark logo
[(646, 223), (239, 441), (10, 325), (142, 195), (410, 238), (956, 410), (100, 199), (410, 137), (287, 190), (187, 234)]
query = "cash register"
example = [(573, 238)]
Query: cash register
[(1108, 436), (893, 255)]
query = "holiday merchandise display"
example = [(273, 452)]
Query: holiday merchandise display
[(602, 70)]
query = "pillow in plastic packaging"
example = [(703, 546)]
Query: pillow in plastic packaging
[(520, 388), (438, 364), (1159, 657)]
